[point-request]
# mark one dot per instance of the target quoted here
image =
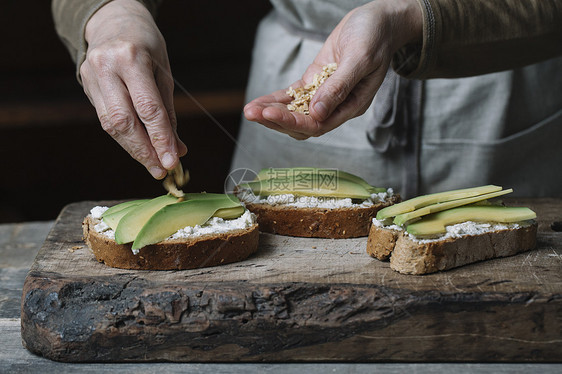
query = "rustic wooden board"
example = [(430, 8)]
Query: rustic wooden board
[(295, 300)]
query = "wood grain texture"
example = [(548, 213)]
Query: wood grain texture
[(296, 299), (15, 359)]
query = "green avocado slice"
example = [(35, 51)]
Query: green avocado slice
[(440, 197), (208, 195), (113, 215), (341, 188), (273, 173), (173, 217), (230, 213), (434, 224), (132, 222), (122, 206), (403, 218), (112, 220)]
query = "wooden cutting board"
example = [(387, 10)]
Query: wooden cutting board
[(297, 299)]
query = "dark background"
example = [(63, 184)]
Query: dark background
[(52, 148)]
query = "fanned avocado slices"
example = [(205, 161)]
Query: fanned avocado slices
[(309, 172), (130, 225), (173, 217), (428, 215), (112, 220), (440, 197), (341, 188), (121, 206), (401, 219), (434, 224)]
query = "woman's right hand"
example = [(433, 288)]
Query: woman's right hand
[(127, 78)]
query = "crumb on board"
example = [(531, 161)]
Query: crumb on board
[(303, 95), (75, 248)]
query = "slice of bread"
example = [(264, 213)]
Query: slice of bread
[(334, 223), (409, 256), (178, 254)]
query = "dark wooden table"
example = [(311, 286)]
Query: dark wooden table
[(19, 244)]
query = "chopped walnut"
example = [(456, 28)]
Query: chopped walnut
[(303, 95), (176, 179)]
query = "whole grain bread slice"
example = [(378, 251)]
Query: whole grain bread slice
[(409, 256), (178, 254), (334, 223)]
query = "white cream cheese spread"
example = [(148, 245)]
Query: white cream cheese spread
[(248, 197), (459, 230), (214, 225), (217, 225)]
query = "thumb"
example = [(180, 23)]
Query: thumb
[(334, 91)]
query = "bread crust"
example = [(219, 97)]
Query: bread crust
[(337, 223), (381, 242), (408, 256), (178, 254)]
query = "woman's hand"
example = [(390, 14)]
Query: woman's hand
[(127, 78), (362, 45)]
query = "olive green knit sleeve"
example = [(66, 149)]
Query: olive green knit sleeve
[(70, 18), (465, 38)]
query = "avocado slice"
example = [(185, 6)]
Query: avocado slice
[(173, 217), (435, 223), (401, 219), (277, 186), (270, 173), (121, 206), (112, 220), (113, 215), (206, 195), (230, 213), (132, 222), (440, 197)]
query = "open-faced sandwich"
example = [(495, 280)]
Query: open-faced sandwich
[(168, 233), (444, 230), (314, 202)]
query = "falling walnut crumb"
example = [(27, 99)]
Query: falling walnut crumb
[(178, 177), (303, 95), (74, 248)]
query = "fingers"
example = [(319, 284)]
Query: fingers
[(165, 83), (355, 104), (255, 113), (150, 109), (117, 117), (127, 77), (271, 111), (120, 107), (336, 89)]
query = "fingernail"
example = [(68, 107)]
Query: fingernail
[(321, 110), (168, 160), (156, 171)]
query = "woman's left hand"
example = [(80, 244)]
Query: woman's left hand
[(362, 45)]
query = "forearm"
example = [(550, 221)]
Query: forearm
[(465, 38), (70, 18)]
